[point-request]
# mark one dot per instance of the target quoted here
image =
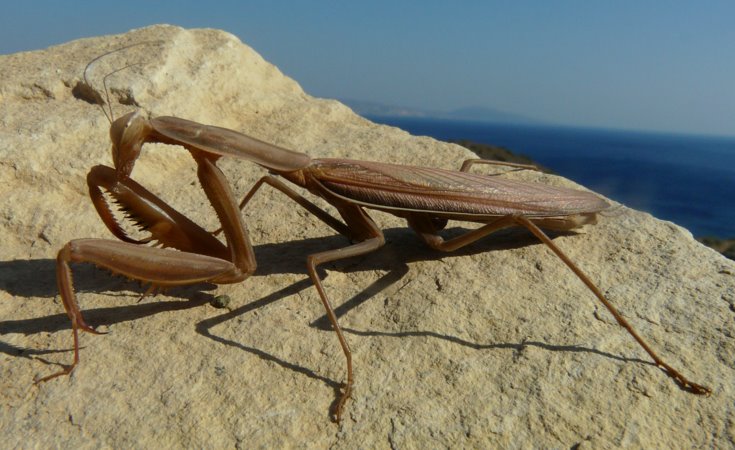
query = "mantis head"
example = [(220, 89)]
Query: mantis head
[(128, 133)]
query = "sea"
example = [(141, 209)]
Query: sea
[(685, 179)]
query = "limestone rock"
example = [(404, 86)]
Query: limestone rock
[(498, 345)]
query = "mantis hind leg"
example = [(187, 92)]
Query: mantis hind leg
[(470, 162), (424, 228), (680, 379)]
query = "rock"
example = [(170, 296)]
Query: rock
[(498, 345)]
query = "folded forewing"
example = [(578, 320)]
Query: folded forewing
[(447, 191)]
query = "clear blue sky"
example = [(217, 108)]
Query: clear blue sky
[(651, 65)]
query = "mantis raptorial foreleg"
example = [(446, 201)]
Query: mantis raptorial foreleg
[(199, 256)]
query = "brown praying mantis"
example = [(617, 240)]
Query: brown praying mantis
[(184, 253)]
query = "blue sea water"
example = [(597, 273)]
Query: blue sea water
[(686, 179)]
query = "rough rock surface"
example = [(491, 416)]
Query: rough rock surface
[(498, 345)]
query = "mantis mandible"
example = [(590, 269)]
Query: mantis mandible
[(427, 198)]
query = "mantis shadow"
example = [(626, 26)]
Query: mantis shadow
[(35, 278), (392, 259)]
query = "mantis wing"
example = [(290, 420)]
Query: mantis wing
[(391, 186)]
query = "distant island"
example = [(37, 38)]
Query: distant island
[(497, 153), (471, 113), (724, 246)]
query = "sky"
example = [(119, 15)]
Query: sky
[(643, 65)]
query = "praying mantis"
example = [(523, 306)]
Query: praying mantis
[(179, 252)]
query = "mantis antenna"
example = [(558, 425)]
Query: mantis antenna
[(99, 100)]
